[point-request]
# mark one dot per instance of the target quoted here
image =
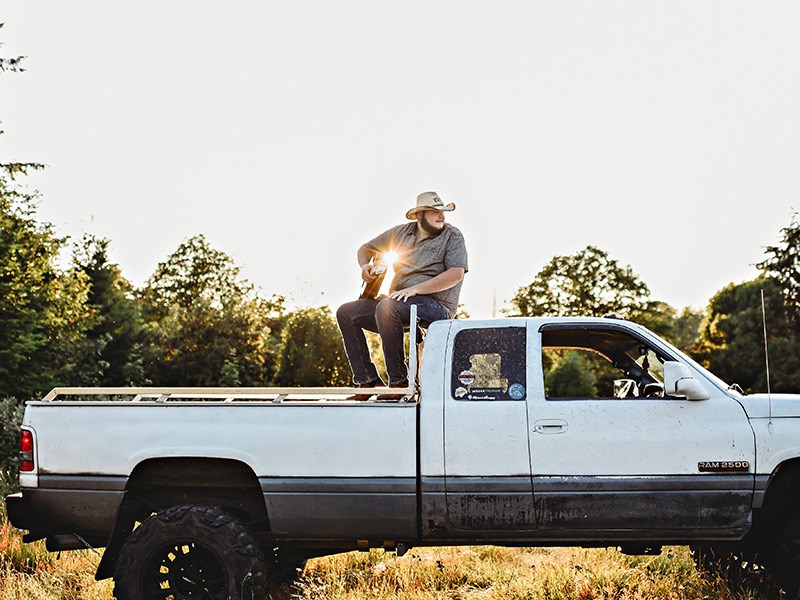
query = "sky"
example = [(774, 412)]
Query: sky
[(289, 133)]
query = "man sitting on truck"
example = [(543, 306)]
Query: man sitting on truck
[(430, 263)]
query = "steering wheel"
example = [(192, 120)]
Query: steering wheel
[(636, 373)]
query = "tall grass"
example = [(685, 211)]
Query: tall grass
[(490, 572), (28, 571)]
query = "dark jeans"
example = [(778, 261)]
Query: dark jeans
[(388, 318)]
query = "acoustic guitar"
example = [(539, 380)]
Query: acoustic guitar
[(371, 288)]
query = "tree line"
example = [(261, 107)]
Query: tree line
[(197, 321)]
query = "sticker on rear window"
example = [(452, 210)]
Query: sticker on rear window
[(466, 377)]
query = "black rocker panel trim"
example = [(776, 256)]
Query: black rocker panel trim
[(342, 508)]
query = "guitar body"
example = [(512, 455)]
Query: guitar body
[(371, 288)]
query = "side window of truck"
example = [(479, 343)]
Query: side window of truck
[(585, 362), (489, 364)]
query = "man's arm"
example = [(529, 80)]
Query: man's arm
[(443, 281)]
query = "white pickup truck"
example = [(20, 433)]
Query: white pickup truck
[(208, 493)]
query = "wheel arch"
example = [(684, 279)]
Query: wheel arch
[(159, 483), (783, 485), (192, 469)]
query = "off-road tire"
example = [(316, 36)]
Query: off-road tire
[(786, 567), (196, 552), (282, 572), (737, 568)]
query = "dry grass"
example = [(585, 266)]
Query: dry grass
[(490, 572), (28, 571)]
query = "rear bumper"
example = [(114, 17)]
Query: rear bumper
[(18, 513), (47, 512)]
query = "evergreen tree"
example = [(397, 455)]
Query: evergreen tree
[(115, 340), (783, 264), (43, 311), (10, 421)]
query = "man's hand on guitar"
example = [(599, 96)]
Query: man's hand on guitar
[(367, 274), (372, 275)]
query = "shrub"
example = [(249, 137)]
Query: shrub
[(11, 412)]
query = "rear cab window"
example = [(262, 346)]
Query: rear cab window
[(489, 364)]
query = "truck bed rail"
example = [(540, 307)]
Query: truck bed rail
[(231, 394), (272, 394)]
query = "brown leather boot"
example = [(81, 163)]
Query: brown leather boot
[(372, 384), (400, 384)]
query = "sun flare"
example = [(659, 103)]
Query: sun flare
[(389, 258)]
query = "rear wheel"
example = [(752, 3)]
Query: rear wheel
[(189, 552), (283, 570)]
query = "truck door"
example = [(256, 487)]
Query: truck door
[(487, 461), (610, 459)]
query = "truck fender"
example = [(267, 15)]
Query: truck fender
[(158, 483)]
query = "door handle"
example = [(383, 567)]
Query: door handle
[(550, 426)]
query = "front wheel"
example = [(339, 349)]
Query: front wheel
[(188, 552), (737, 568), (787, 557)]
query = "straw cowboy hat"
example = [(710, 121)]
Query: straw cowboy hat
[(429, 201)]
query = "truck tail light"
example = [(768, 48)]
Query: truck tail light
[(26, 451)]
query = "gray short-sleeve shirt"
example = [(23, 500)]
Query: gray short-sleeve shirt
[(418, 262)]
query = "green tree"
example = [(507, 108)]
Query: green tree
[(43, 311), (571, 376), (205, 323), (731, 344), (115, 340), (587, 283), (10, 421), (659, 317), (686, 329), (783, 264), (681, 328), (311, 352)]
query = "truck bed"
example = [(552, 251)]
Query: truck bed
[(311, 458)]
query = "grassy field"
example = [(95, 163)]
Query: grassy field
[(28, 571)]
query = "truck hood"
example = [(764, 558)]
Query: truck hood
[(783, 405)]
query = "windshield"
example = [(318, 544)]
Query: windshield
[(714, 379), (649, 361)]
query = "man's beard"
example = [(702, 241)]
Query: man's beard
[(431, 230)]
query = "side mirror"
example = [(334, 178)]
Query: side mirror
[(679, 381)]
